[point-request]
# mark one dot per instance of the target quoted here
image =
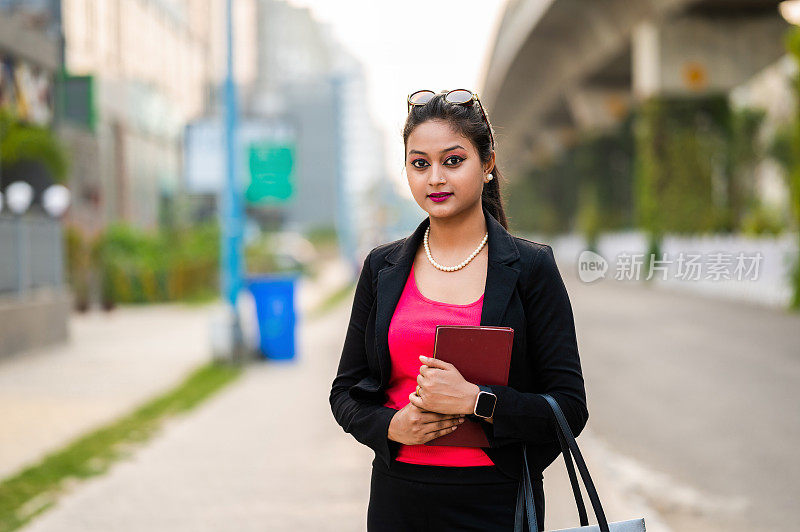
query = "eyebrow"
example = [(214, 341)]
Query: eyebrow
[(444, 150)]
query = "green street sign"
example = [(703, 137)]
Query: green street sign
[(270, 167)]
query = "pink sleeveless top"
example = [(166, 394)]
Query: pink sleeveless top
[(411, 334)]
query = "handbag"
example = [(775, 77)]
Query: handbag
[(568, 446)]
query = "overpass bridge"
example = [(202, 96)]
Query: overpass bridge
[(561, 66)]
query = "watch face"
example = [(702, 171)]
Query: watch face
[(485, 404)]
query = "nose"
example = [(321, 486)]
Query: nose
[(436, 175)]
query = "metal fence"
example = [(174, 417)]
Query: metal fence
[(31, 253)]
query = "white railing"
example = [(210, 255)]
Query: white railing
[(770, 262)]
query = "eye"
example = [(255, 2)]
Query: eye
[(413, 163), (457, 157)]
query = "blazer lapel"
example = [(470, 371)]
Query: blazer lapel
[(501, 278)]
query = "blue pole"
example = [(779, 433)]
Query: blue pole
[(232, 214)]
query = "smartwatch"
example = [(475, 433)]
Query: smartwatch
[(484, 405)]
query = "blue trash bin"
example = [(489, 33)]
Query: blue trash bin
[(274, 299)]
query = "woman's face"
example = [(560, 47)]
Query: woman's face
[(439, 159)]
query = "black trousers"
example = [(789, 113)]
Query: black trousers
[(422, 498)]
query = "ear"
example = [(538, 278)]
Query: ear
[(490, 164)]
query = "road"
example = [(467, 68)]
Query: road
[(702, 395)]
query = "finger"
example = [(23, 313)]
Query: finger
[(421, 380), (435, 417), (421, 409), (435, 363), (415, 400), (446, 423), (441, 432)]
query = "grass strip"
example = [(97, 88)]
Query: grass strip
[(37, 487)]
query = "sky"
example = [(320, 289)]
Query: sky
[(408, 45)]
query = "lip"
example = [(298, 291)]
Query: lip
[(439, 196)]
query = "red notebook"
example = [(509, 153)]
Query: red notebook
[(482, 353)]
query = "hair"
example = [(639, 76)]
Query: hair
[(467, 120)]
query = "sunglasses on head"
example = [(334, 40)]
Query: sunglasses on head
[(457, 96)]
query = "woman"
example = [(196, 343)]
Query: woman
[(461, 266)]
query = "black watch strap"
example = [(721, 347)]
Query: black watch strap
[(484, 388)]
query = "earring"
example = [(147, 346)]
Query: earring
[(490, 176)]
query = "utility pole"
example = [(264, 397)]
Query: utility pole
[(232, 202)]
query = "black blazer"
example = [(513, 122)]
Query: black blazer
[(523, 290)]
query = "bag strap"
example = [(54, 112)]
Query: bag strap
[(584, 471), (525, 495), (573, 480), (568, 446), (576, 490)]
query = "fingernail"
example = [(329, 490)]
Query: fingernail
[(460, 420)]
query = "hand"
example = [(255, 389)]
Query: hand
[(443, 389), (413, 426)]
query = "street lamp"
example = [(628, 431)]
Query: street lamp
[(790, 10), (19, 197), (55, 200)]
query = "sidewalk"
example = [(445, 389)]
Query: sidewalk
[(261, 456), (112, 363), (256, 456)]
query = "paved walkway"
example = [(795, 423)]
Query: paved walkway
[(266, 454), (112, 363)]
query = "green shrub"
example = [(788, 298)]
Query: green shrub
[(28, 142), (763, 220), (145, 267)]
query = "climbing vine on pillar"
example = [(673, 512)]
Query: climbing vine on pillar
[(793, 46), (682, 166)]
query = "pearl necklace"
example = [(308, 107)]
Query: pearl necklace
[(452, 268)]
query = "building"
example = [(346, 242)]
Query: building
[(143, 69)]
